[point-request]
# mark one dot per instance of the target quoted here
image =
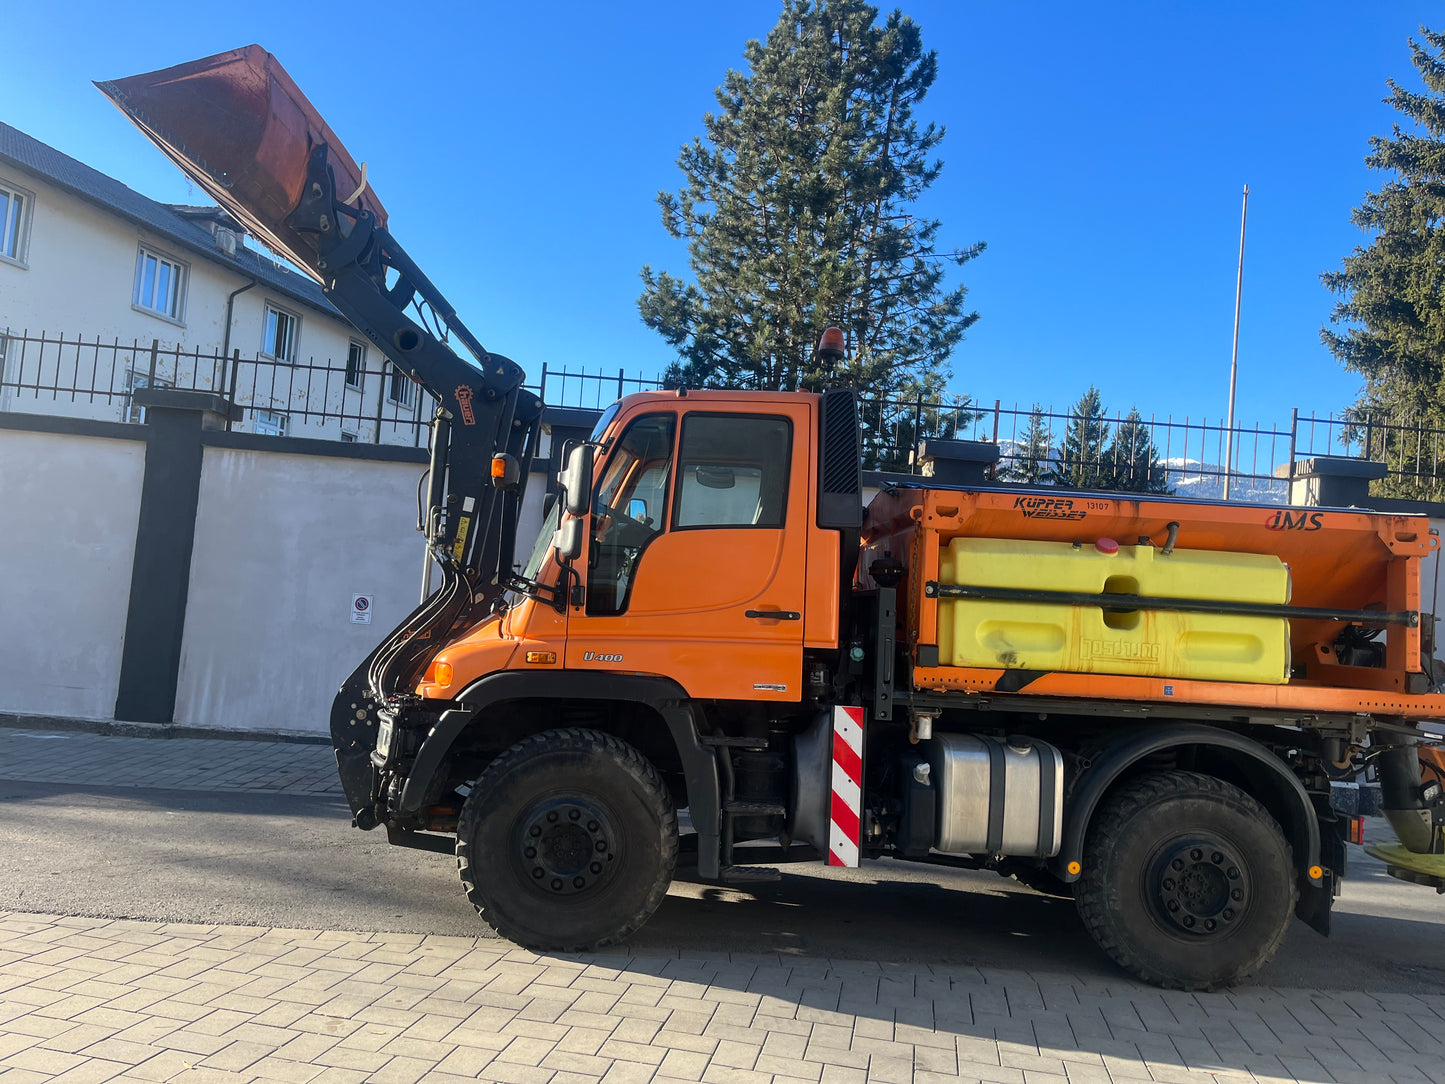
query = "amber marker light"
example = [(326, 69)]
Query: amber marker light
[(505, 470), (1316, 872), (1075, 868), (543, 658), (442, 673)]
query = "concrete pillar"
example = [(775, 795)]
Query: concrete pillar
[(165, 534), (957, 462), (1333, 481)]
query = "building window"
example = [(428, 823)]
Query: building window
[(15, 204), (160, 285), (270, 423), (355, 364), (398, 386), (134, 381), (348, 438), (279, 332)]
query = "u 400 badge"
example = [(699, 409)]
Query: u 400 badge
[(598, 656)]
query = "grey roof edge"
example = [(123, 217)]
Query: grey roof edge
[(25, 152)]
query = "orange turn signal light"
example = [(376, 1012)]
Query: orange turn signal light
[(441, 673), (505, 470), (542, 657)]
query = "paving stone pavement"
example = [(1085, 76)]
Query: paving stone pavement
[(220, 764), (88, 1000)]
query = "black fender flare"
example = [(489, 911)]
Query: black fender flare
[(663, 695), (1302, 825)]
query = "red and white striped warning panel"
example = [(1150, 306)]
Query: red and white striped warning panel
[(847, 808)]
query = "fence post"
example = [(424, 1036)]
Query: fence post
[(542, 393), (380, 396), (1293, 444), (620, 373), (917, 432), (231, 392), (997, 404)]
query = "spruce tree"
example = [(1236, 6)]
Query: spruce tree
[(798, 212), (1131, 462), (1081, 461), (1033, 457), (1392, 292)]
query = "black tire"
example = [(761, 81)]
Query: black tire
[(1188, 882), (568, 841)]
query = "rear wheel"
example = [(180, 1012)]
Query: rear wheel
[(1188, 882), (568, 841)]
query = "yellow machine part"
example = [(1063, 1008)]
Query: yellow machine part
[(1406, 865), (1088, 639)]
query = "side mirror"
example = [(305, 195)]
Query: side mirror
[(575, 479), (567, 540)]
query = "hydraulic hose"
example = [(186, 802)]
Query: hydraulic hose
[(1412, 814)]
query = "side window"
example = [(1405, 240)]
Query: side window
[(628, 510), (733, 471)]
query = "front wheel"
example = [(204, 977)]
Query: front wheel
[(568, 841), (1188, 882)]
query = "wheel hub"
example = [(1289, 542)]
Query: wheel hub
[(1202, 887), (565, 845)]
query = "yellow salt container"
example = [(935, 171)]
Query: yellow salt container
[(1089, 639)]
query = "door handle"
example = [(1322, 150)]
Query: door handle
[(773, 615)]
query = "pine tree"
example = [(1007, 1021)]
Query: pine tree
[(1131, 462), (1392, 293), (797, 210), (1033, 458), (1081, 461)]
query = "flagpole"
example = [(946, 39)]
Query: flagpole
[(1234, 356)]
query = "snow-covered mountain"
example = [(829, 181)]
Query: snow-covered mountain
[(1189, 478)]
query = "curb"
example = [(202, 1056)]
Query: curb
[(112, 729)]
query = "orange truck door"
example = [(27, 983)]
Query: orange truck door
[(697, 551)]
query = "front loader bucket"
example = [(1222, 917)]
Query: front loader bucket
[(238, 126)]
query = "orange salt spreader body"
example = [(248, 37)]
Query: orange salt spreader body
[(1158, 706)]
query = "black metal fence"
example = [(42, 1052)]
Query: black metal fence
[(354, 400), (357, 399)]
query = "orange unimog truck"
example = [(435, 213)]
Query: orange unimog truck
[(1142, 702)]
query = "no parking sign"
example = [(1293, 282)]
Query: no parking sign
[(361, 609)]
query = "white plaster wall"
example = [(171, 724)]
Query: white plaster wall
[(68, 511), (283, 541)]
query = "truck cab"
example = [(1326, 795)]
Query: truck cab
[(702, 560)]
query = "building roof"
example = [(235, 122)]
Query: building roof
[(184, 229)]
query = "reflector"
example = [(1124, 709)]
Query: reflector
[(237, 125)]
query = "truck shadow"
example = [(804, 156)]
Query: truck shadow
[(936, 964)]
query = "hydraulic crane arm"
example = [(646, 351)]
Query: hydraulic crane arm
[(239, 127)]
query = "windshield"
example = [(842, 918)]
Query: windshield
[(603, 422), (551, 517)]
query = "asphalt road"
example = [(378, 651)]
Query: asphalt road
[(294, 861)]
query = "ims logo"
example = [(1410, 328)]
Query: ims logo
[(1285, 520)]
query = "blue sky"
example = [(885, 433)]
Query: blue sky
[(1100, 150)]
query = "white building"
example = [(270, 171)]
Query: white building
[(103, 290)]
